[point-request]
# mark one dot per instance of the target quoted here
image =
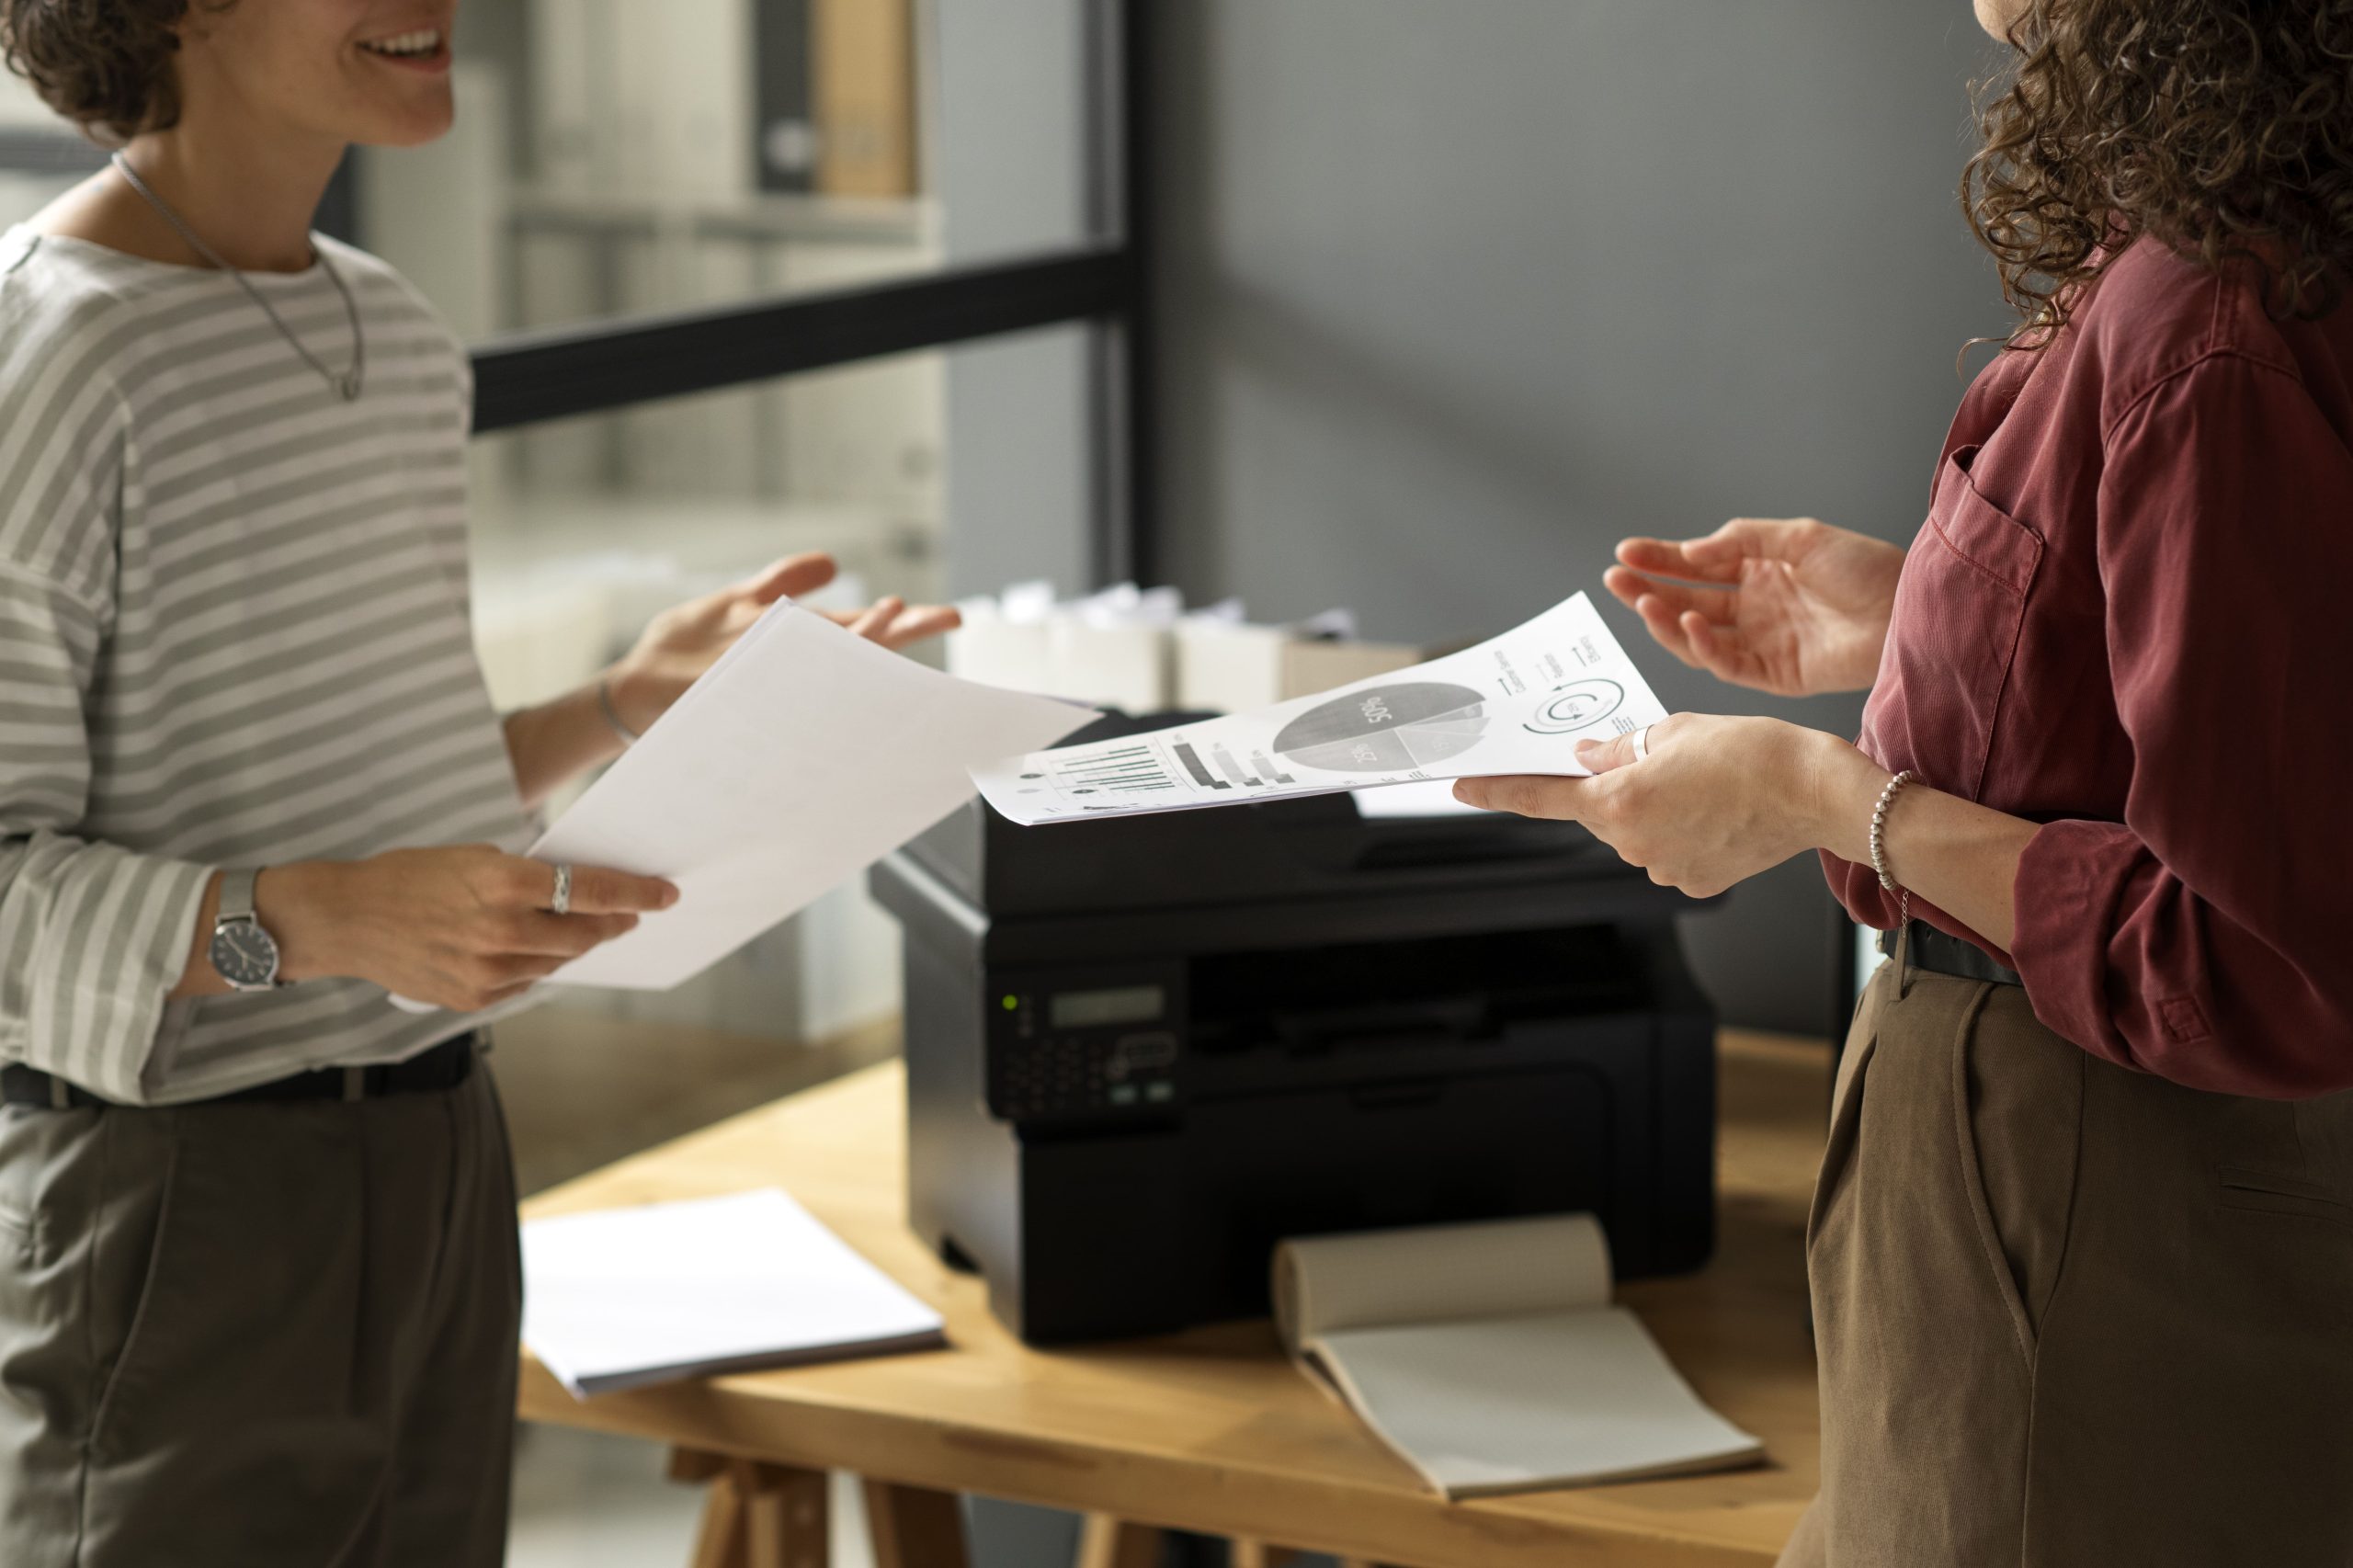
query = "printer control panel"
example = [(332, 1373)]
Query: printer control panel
[(1090, 1046)]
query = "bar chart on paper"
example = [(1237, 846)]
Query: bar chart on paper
[(1126, 770)]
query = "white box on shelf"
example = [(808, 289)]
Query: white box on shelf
[(1227, 666), (1115, 666)]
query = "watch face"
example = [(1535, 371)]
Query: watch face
[(245, 954)]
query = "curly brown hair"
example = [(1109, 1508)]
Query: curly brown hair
[(104, 64), (2222, 128)]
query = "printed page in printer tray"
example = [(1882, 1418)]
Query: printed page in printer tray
[(1518, 703)]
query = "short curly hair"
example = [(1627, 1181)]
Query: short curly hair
[(2222, 128), (104, 64)]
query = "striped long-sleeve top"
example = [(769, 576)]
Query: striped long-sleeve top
[(234, 631)]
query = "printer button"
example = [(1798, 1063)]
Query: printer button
[(1157, 1049), (1123, 1094), (1160, 1092)]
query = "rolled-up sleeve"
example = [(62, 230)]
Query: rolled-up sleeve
[(93, 936), (2201, 938)]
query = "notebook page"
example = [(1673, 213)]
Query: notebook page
[(1545, 1400)]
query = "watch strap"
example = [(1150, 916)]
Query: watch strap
[(236, 895)]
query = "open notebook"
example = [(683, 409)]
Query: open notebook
[(1489, 1357), (625, 1297)]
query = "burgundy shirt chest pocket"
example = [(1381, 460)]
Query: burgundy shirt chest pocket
[(1959, 609)]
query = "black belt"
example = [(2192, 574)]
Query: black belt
[(444, 1066), (1939, 952)]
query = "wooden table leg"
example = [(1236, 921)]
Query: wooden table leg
[(914, 1527), (718, 1538), (755, 1516), (1107, 1543)]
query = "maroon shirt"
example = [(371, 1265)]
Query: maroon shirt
[(2130, 618)]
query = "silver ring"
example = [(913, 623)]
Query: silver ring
[(562, 902), (1641, 742)]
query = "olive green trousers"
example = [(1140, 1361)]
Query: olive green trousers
[(258, 1335), (2071, 1315)]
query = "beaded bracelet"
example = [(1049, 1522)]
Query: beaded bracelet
[(1878, 839), (1878, 827)]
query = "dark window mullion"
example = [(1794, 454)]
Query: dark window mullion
[(520, 379)]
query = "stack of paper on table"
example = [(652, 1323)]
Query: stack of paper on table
[(1489, 1357), (626, 1297)]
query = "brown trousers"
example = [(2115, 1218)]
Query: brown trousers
[(2071, 1315), (257, 1335)]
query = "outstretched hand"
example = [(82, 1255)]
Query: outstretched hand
[(1786, 605), (685, 639)]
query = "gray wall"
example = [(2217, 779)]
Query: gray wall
[(1455, 293), (1008, 161)]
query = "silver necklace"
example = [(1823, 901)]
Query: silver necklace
[(347, 383)]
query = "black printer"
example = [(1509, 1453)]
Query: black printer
[(1141, 1050)]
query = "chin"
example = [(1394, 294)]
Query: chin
[(410, 127)]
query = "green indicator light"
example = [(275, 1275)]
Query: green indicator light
[(1012, 1003)]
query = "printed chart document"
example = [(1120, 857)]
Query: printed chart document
[(1489, 1357), (802, 755), (1518, 703), (626, 1297)]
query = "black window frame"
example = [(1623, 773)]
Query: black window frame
[(527, 378)]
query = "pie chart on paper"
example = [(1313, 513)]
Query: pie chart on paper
[(1386, 728)]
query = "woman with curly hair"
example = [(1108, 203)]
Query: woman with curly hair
[(259, 1291), (2082, 1249)]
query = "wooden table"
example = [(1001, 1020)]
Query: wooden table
[(1211, 1430)]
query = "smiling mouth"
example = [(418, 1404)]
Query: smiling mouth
[(422, 44)]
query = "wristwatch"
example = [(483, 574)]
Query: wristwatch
[(244, 952)]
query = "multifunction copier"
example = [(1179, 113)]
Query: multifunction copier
[(1141, 1051)]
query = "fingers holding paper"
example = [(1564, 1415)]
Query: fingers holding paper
[(462, 927), (1716, 800)]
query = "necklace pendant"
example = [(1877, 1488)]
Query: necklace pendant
[(348, 385)]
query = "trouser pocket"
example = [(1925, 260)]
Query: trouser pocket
[(88, 1189), (1846, 1103), (1926, 1369), (2017, 1104)]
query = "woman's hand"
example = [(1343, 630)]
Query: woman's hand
[(1717, 800), (463, 927), (1799, 607), (685, 639)]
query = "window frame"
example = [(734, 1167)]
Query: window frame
[(527, 378)]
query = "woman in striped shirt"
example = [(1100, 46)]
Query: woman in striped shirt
[(257, 1280)]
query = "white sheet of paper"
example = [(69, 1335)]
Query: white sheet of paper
[(1434, 798), (1518, 703), (803, 754), (625, 1296)]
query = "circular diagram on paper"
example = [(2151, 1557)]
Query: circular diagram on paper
[(1386, 729), (1580, 705)]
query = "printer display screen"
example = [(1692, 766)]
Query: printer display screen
[(1124, 1005)]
